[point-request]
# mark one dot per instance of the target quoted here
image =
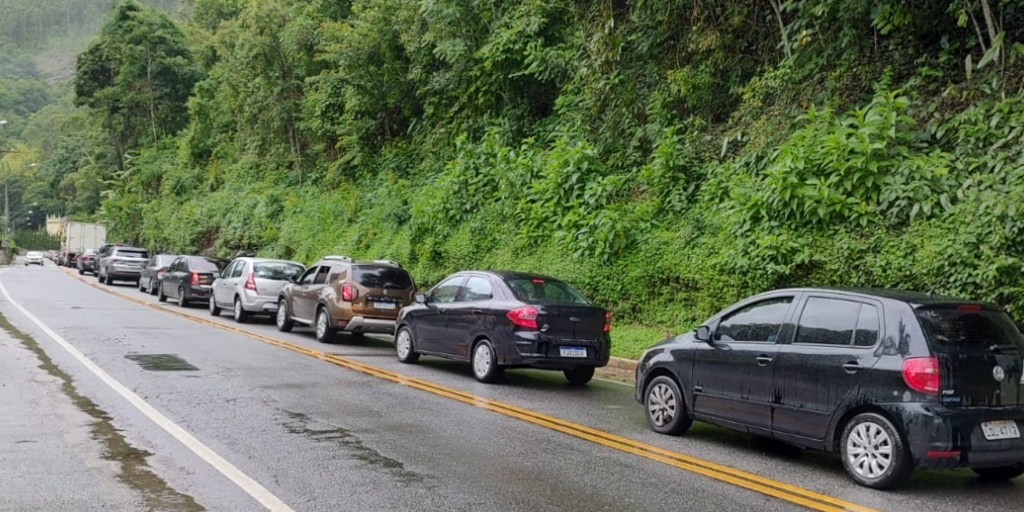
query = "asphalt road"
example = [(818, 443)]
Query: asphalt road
[(320, 437)]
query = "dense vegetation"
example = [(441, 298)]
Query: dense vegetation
[(665, 156)]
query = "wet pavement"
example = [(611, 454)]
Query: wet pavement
[(320, 437)]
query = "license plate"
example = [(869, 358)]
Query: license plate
[(572, 351), (384, 305), (995, 430)]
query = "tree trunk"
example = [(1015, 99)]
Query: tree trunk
[(990, 23), (152, 100), (782, 27)]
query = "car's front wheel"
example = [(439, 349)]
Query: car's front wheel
[(485, 364), (405, 347), (214, 308), (580, 375), (324, 332), (160, 294), (100, 278), (152, 286), (283, 318), (665, 407), (874, 452), (1000, 473)]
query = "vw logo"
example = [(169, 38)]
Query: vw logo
[(998, 373)]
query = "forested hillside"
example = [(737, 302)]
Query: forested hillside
[(665, 156)]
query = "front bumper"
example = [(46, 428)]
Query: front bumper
[(940, 437)]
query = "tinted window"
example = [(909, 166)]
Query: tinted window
[(200, 264), (867, 326), (277, 271), (237, 270), (760, 321), (951, 327), (446, 291), (538, 290), (828, 322), (307, 278), (374, 276), (128, 253), (477, 288), (321, 275)]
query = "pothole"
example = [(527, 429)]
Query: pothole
[(162, 363)]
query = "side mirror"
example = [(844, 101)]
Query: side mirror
[(703, 334), (421, 298)]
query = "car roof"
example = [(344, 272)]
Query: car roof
[(267, 260), (128, 248), (509, 274), (909, 297)]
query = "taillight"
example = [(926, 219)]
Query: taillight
[(607, 321), (160, 271), (525, 317), (922, 374), (250, 284), (195, 278), (348, 292)]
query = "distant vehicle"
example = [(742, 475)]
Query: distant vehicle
[(339, 294), (121, 263), (892, 380), (251, 286), (189, 278), (153, 272), (498, 320), (87, 262), (78, 236), (34, 258)]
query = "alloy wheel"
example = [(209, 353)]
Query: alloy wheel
[(321, 324), (869, 450), (662, 404), (403, 344), (282, 314)]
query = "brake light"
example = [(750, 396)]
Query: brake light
[(525, 317), (607, 321), (250, 283), (195, 278), (968, 307), (922, 374), (348, 292), (160, 271)]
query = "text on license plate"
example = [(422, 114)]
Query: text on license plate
[(384, 305), (572, 351), (994, 430)]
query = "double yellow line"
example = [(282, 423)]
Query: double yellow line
[(767, 486)]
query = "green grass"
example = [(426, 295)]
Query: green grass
[(629, 341)]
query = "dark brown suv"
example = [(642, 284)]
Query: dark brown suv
[(338, 293)]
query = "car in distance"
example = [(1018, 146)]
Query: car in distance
[(892, 380), (251, 286), (34, 258), (87, 262), (121, 264), (498, 320), (153, 272), (189, 278), (339, 294)]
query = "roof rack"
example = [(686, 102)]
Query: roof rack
[(392, 263), (338, 258)]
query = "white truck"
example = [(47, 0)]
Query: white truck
[(79, 236)]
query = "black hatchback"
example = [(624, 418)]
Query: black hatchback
[(499, 320), (892, 380)]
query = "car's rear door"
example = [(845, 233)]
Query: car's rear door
[(173, 277)]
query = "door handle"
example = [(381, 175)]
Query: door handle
[(763, 360), (478, 312), (852, 367)]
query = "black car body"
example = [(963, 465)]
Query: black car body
[(153, 272), (822, 368), (121, 263), (87, 261), (501, 320), (190, 278)]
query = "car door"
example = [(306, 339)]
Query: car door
[(431, 322), (301, 306), (732, 374), (467, 316), (223, 285), (823, 364), (172, 278)]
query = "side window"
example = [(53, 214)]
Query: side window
[(447, 291), (477, 289), (337, 272), (227, 270), (239, 267), (307, 278), (760, 321), (321, 276), (177, 265), (828, 322), (868, 325)]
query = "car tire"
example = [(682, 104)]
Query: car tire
[(99, 277), (238, 312), (405, 347), (182, 300), (874, 452), (665, 407), (139, 285), (160, 295), (81, 272), (579, 375), (1000, 473), (214, 308), (152, 287), (283, 319), (485, 364), (322, 326)]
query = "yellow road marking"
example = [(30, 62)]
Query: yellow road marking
[(740, 478)]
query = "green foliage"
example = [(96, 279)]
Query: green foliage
[(35, 240)]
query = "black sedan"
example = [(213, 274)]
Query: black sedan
[(153, 273), (189, 278), (498, 320)]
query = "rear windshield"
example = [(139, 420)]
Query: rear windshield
[(378, 276), (206, 264), (966, 327), (128, 253), (537, 290), (278, 270)]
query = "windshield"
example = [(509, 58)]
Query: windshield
[(969, 328), (278, 270), (539, 290), (33, 254), (200, 264), (375, 276)]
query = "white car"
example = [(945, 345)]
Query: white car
[(34, 258)]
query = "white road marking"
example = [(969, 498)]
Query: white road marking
[(247, 484)]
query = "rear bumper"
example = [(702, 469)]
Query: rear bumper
[(367, 325), (123, 274), (535, 350), (940, 437), (87, 265), (257, 304), (197, 293)]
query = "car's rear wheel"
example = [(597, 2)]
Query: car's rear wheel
[(665, 407), (485, 364), (283, 318), (240, 314), (100, 278), (214, 308), (1000, 473), (579, 375), (405, 347), (874, 452), (81, 272), (153, 287), (182, 300), (324, 332)]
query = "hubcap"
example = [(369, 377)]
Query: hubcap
[(403, 344), (321, 324), (238, 309), (482, 360), (661, 404), (282, 315), (869, 450)]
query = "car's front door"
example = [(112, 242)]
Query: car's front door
[(832, 350), (732, 375), (432, 321), (222, 286), (301, 305), (467, 315)]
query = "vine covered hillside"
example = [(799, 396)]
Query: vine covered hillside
[(666, 157)]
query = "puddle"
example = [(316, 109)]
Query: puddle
[(135, 471), (300, 424), (162, 363)]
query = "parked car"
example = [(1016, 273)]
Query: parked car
[(33, 258), (498, 320), (891, 380), (251, 286), (121, 264), (189, 278), (153, 272), (338, 293), (70, 259), (87, 261)]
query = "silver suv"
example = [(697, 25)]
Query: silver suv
[(250, 286), (121, 263)]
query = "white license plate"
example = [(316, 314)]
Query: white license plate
[(384, 305), (995, 430), (572, 351)]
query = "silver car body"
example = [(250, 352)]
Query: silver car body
[(34, 258), (232, 284)]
